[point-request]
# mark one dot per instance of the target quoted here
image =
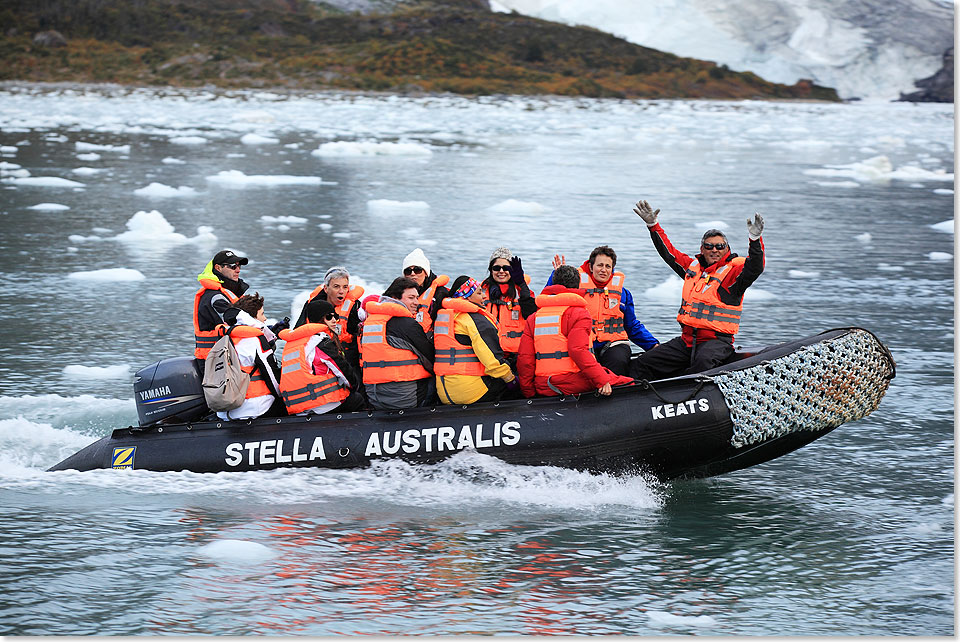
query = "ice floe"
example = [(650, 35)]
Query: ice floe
[(151, 229), (711, 225), (236, 550), (159, 190), (94, 147), (236, 178), (944, 226), (86, 171), (386, 206), (801, 274), (189, 140), (42, 181), (97, 372), (879, 169), (170, 160), (940, 256), (275, 220), (866, 237), (669, 619), (8, 149), (109, 274), (369, 148), (257, 139), (49, 207), (89, 157), (944, 191), (514, 205)]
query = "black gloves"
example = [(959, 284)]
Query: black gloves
[(516, 271), (280, 325)]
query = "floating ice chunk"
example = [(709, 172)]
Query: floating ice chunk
[(86, 171), (170, 160), (49, 207), (235, 549), (864, 238), (668, 291), (159, 190), (944, 226), (253, 116), (8, 149), (342, 235), (274, 220), (885, 267), (43, 181), (386, 206), (837, 183), (95, 372), (944, 191), (152, 230), (15, 173), (879, 169), (110, 274), (669, 619), (800, 274), (92, 156), (188, 140), (513, 205), (236, 178), (102, 230), (4, 166), (940, 256), (292, 145), (758, 294), (71, 249), (326, 227), (257, 139), (79, 238), (429, 242), (710, 225), (94, 147), (358, 149)]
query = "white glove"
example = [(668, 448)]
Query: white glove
[(647, 213), (755, 227)]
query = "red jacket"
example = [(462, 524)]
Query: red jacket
[(576, 325)]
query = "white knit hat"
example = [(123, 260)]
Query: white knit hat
[(417, 257)]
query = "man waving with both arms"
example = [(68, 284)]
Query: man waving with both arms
[(714, 282)]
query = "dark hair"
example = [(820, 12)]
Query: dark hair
[(567, 276), (713, 232), (249, 303), (396, 289), (453, 287), (603, 249)]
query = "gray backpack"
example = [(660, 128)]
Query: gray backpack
[(224, 383)]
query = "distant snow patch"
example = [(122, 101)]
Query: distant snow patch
[(170, 160), (188, 140), (944, 226), (866, 237), (159, 190), (95, 372), (800, 274), (49, 207), (669, 619), (514, 205), (386, 206), (235, 549), (111, 274), (359, 149), (257, 139), (43, 181), (940, 256), (274, 220), (93, 147), (91, 156), (236, 178)]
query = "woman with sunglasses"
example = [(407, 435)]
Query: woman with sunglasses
[(714, 282), (430, 287), (317, 378), (506, 296)]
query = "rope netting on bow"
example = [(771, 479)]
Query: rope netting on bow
[(817, 387)]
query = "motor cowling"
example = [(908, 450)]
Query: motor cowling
[(169, 391)]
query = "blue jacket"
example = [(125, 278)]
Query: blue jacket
[(635, 330)]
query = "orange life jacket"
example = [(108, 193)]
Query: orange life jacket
[(343, 309), (452, 357), (382, 363), (509, 320), (603, 304), (206, 338), (701, 306), (258, 385), (549, 342), (300, 388), (424, 301)]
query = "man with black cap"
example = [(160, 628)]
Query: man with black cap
[(220, 287)]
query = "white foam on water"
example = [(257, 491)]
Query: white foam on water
[(42, 181), (347, 149), (28, 448), (663, 618), (88, 157), (87, 171), (108, 275), (386, 206), (257, 139), (236, 178), (170, 160), (514, 205), (49, 207), (118, 371), (944, 226), (274, 220), (159, 190), (189, 140), (940, 256), (94, 147), (236, 550), (800, 274)]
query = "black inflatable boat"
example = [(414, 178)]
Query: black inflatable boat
[(765, 404)]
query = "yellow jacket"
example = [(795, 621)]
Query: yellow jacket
[(466, 389)]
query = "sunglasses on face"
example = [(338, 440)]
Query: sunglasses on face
[(232, 266), (413, 269), (500, 268), (331, 316), (714, 246)]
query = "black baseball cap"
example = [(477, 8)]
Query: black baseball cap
[(225, 257)]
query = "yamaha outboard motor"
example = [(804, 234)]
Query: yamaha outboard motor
[(169, 391)]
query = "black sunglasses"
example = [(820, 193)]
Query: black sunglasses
[(413, 269), (500, 268), (714, 246), (331, 316), (232, 266)]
